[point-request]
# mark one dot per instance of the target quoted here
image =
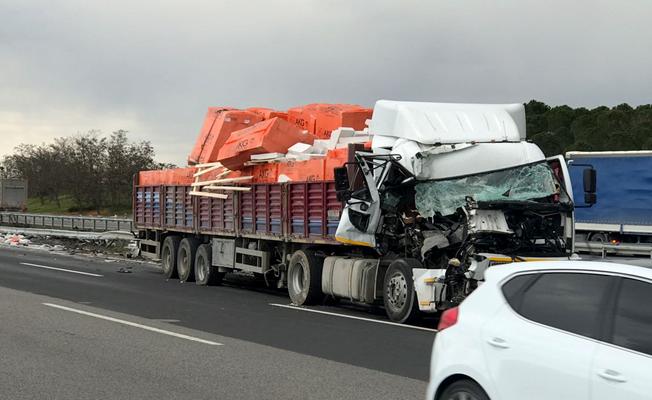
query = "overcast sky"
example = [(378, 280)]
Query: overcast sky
[(153, 67)]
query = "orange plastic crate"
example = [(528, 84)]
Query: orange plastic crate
[(271, 136), (175, 176), (302, 171), (218, 126), (268, 113), (322, 119)]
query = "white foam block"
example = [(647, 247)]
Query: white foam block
[(300, 148), (266, 156)]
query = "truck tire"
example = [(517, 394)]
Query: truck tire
[(169, 256), (399, 296), (205, 273), (599, 237), (304, 278), (186, 259)]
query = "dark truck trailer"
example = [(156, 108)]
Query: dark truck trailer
[(621, 220), (13, 195)]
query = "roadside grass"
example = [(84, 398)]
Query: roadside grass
[(67, 206)]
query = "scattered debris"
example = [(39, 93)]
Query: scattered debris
[(15, 240), (99, 247)]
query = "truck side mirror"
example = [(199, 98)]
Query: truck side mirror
[(590, 198), (342, 186), (590, 186)]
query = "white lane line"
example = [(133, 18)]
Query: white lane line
[(60, 269), (129, 323), (291, 307)]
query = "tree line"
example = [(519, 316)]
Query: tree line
[(560, 129), (94, 170)]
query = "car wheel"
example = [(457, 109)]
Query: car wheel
[(463, 390), (304, 278), (205, 273), (399, 296), (169, 256), (186, 259)]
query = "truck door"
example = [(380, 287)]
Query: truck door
[(361, 214)]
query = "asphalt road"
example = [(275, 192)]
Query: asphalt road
[(101, 333)]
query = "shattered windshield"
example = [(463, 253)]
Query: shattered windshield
[(521, 183)]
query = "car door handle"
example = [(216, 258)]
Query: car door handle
[(611, 375), (498, 342)]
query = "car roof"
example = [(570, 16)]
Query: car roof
[(501, 271)]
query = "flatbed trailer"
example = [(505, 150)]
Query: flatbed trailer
[(297, 212), (259, 226)]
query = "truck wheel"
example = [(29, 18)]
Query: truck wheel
[(205, 273), (169, 256), (186, 259), (304, 278), (599, 238), (399, 296)]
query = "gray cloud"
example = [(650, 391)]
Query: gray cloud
[(153, 67)]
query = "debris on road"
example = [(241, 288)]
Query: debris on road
[(114, 249), (15, 240)]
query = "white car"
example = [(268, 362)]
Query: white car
[(548, 330)]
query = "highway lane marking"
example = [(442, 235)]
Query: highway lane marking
[(61, 269), (135, 325), (291, 307)]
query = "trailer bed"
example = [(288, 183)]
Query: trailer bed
[(307, 212)]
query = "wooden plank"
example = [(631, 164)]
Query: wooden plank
[(266, 156), (221, 174), (213, 195), (231, 188), (209, 169), (207, 183), (206, 165)]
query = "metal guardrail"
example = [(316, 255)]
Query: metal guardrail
[(643, 249), (65, 222)]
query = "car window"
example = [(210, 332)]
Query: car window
[(513, 289), (632, 327), (569, 301)]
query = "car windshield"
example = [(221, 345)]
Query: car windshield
[(525, 182)]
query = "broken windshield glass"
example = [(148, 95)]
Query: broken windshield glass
[(521, 183)]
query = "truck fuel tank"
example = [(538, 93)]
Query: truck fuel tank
[(350, 278)]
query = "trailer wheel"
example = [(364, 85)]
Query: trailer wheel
[(399, 295), (205, 273), (169, 256), (599, 237), (304, 278), (186, 259)]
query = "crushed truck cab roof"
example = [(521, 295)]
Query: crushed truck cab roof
[(447, 123)]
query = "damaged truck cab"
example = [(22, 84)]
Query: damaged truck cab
[(447, 191)]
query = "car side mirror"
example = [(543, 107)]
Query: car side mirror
[(590, 186), (342, 185)]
